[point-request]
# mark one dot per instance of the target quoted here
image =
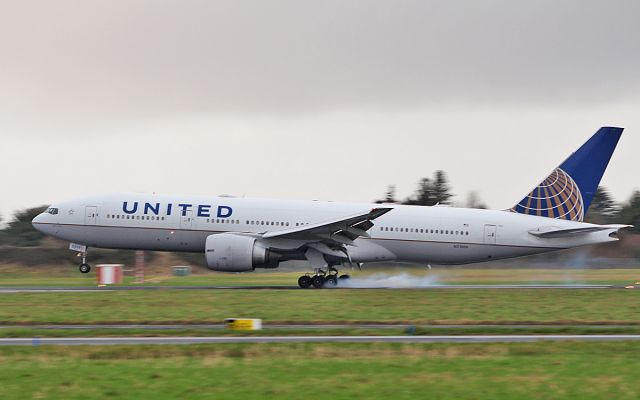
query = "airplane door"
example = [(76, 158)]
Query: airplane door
[(90, 215), (186, 220), (490, 234)]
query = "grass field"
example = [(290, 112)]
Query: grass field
[(544, 370), (325, 306), (338, 371)]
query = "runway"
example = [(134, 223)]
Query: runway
[(102, 341), (41, 289)]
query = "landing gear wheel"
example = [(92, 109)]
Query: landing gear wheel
[(304, 281), (343, 277), (330, 281), (317, 281), (85, 268)]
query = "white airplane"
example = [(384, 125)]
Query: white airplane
[(241, 234)]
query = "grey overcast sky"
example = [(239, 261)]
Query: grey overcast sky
[(331, 99)]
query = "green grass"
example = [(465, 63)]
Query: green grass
[(323, 371), (325, 306)]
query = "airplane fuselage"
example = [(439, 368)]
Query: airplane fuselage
[(412, 234)]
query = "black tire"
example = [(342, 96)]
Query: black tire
[(85, 268), (304, 281), (330, 281), (345, 276), (317, 281)]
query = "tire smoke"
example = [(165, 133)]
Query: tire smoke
[(383, 280)]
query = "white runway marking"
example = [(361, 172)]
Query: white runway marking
[(99, 341)]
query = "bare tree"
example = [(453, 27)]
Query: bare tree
[(474, 201), (389, 196)]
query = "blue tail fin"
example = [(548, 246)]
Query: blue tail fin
[(567, 193)]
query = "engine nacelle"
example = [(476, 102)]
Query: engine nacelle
[(237, 253)]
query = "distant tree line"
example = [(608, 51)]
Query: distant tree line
[(430, 192), (19, 231), (605, 210)]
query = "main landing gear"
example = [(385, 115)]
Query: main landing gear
[(85, 268), (321, 279)]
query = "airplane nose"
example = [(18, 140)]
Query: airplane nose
[(37, 221)]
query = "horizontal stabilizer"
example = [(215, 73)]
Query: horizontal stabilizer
[(557, 233)]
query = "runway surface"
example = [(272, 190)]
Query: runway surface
[(41, 289), (101, 341)]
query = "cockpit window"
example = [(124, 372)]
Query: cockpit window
[(52, 210)]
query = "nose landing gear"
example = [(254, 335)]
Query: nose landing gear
[(85, 268)]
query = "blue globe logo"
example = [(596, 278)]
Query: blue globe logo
[(558, 196)]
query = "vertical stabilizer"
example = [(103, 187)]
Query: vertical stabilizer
[(568, 191)]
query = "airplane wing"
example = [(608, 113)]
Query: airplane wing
[(342, 231), (556, 233)]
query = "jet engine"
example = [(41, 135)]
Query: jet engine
[(229, 252)]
